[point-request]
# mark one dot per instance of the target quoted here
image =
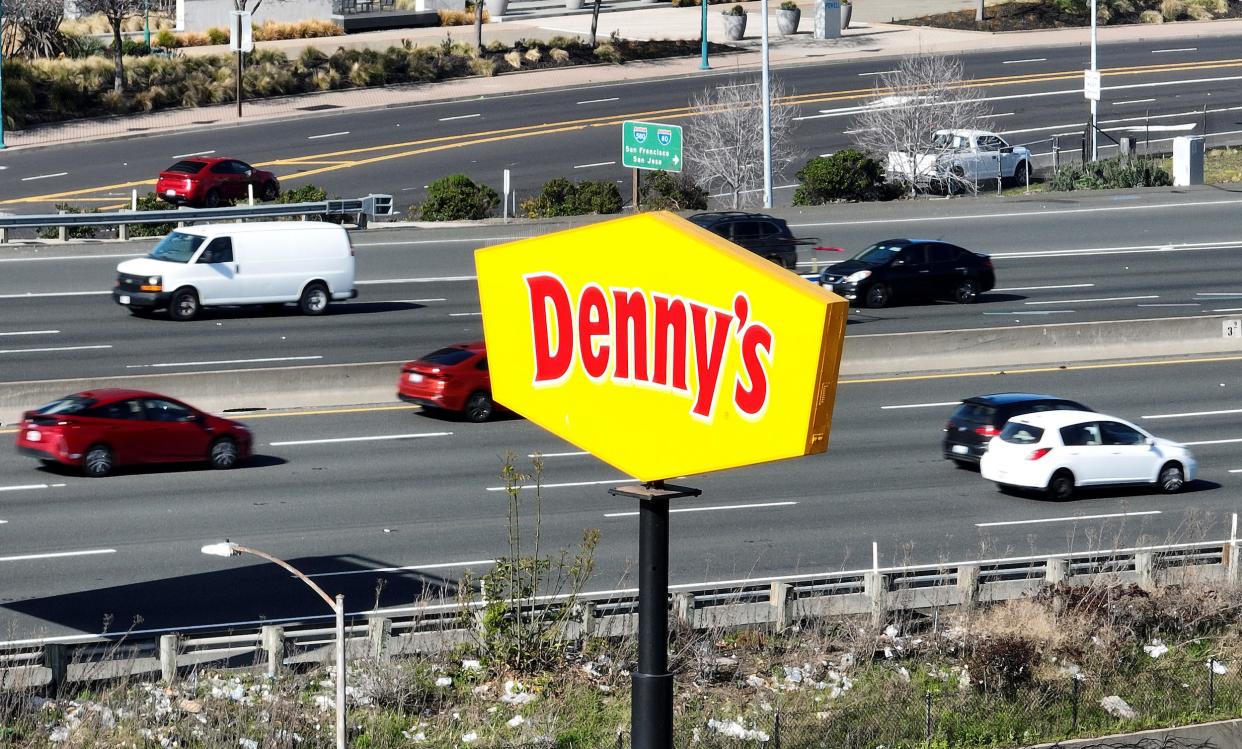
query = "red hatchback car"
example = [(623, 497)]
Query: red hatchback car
[(211, 182), (450, 379), (98, 430)]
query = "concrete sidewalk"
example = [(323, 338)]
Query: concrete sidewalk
[(863, 40)]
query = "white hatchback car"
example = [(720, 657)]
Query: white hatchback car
[(1057, 451)]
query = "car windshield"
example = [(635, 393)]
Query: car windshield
[(448, 356), (69, 405), (176, 247), (187, 167), (1021, 434), (950, 141), (878, 254)]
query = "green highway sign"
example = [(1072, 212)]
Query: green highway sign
[(650, 145)]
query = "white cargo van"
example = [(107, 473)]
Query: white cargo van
[(274, 262)]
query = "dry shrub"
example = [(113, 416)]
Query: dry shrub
[(607, 53), (533, 56), (1172, 10), (514, 59), (1151, 16), (272, 30), (483, 66), (1003, 663), (559, 56), (460, 17)]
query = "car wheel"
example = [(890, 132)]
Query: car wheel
[(183, 305), (1019, 173), (269, 192), (479, 407), (223, 453), (1172, 478), (98, 461), (1060, 486), (212, 198), (314, 299), (957, 179), (878, 295), (966, 291)]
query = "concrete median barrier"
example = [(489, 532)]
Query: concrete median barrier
[(865, 355)]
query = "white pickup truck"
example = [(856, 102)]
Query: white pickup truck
[(967, 155)]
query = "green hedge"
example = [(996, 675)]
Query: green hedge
[(561, 197), (1111, 174), (849, 175), (457, 198), (662, 191)]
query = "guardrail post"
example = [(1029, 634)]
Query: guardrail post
[(588, 618), (63, 231), (170, 646), (1144, 568), (968, 583), (1056, 571), (1232, 565), (779, 598), (875, 586), (56, 659), (273, 641), (378, 632), (4, 235), (122, 232), (683, 609)]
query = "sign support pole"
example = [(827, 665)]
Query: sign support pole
[(651, 698), (635, 197), (239, 83)]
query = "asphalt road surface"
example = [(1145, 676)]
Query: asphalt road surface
[(1151, 91), (1098, 257), (346, 493)]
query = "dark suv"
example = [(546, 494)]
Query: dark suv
[(764, 235), (977, 420)]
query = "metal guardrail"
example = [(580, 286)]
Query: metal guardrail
[(371, 206), (776, 603)]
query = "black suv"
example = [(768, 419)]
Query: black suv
[(764, 235), (977, 420), (902, 269)]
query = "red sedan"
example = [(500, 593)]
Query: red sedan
[(98, 430), (211, 182), (450, 379)]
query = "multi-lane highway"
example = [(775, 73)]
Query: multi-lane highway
[(1034, 95), (1056, 261)]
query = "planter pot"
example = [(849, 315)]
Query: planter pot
[(787, 21), (496, 8), (734, 26), (846, 11), (573, 4)]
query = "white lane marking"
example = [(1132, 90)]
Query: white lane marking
[(1034, 312), (1170, 304), (375, 438), (878, 72), (28, 487), (465, 314), (3, 522), (52, 348), (556, 455), (31, 332), (1229, 309), (381, 281), (1004, 114), (44, 176), (736, 85), (57, 555), (1179, 49), (327, 135), (480, 240), (1235, 470), (196, 153), (600, 101), (1226, 294), (221, 361), (1068, 519), (421, 301), (1034, 214), (1194, 413), (70, 257), (407, 568), (564, 485), (1099, 299), (1018, 62), (1214, 442), (30, 295), (460, 117), (598, 163), (1130, 250), (1132, 101), (634, 514), (919, 405), (1042, 288)]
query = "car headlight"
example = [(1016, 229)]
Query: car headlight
[(859, 276), (153, 283), (154, 280)]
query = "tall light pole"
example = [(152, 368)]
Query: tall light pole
[(146, 24), (703, 34), (1095, 104), (767, 113), (2, 74), (230, 549)]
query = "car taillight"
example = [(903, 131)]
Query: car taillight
[(1039, 453), (987, 263), (189, 183), (987, 431)]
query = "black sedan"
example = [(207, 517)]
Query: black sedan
[(911, 269), (980, 418)]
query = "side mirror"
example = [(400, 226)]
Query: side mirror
[(191, 419), (1151, 441), (249, 172), (1007, 149)]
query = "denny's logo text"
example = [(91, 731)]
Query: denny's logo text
[(631, 336)]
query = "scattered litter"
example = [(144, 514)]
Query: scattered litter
[(1217, 667), (515, 721), (890, 631), (735, 729), (1117, 707), (444, 681), (471, 665), (248, 744), (470, 738), (755, 681), (1156, 649), (516, 694), (417, 738)]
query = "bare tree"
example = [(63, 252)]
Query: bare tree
[(114, 12), (31, 28), (914, 104), (724, 143)]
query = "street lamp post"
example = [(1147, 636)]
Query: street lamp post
[(146, 24), (230, 549), (767, 113), (2, 74), (1095, 104), (703, 34)]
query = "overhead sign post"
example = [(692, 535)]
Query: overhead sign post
[(665, 351), (650, 145), (241, 41)]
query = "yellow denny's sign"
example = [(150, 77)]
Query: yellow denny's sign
[(659, 347)]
